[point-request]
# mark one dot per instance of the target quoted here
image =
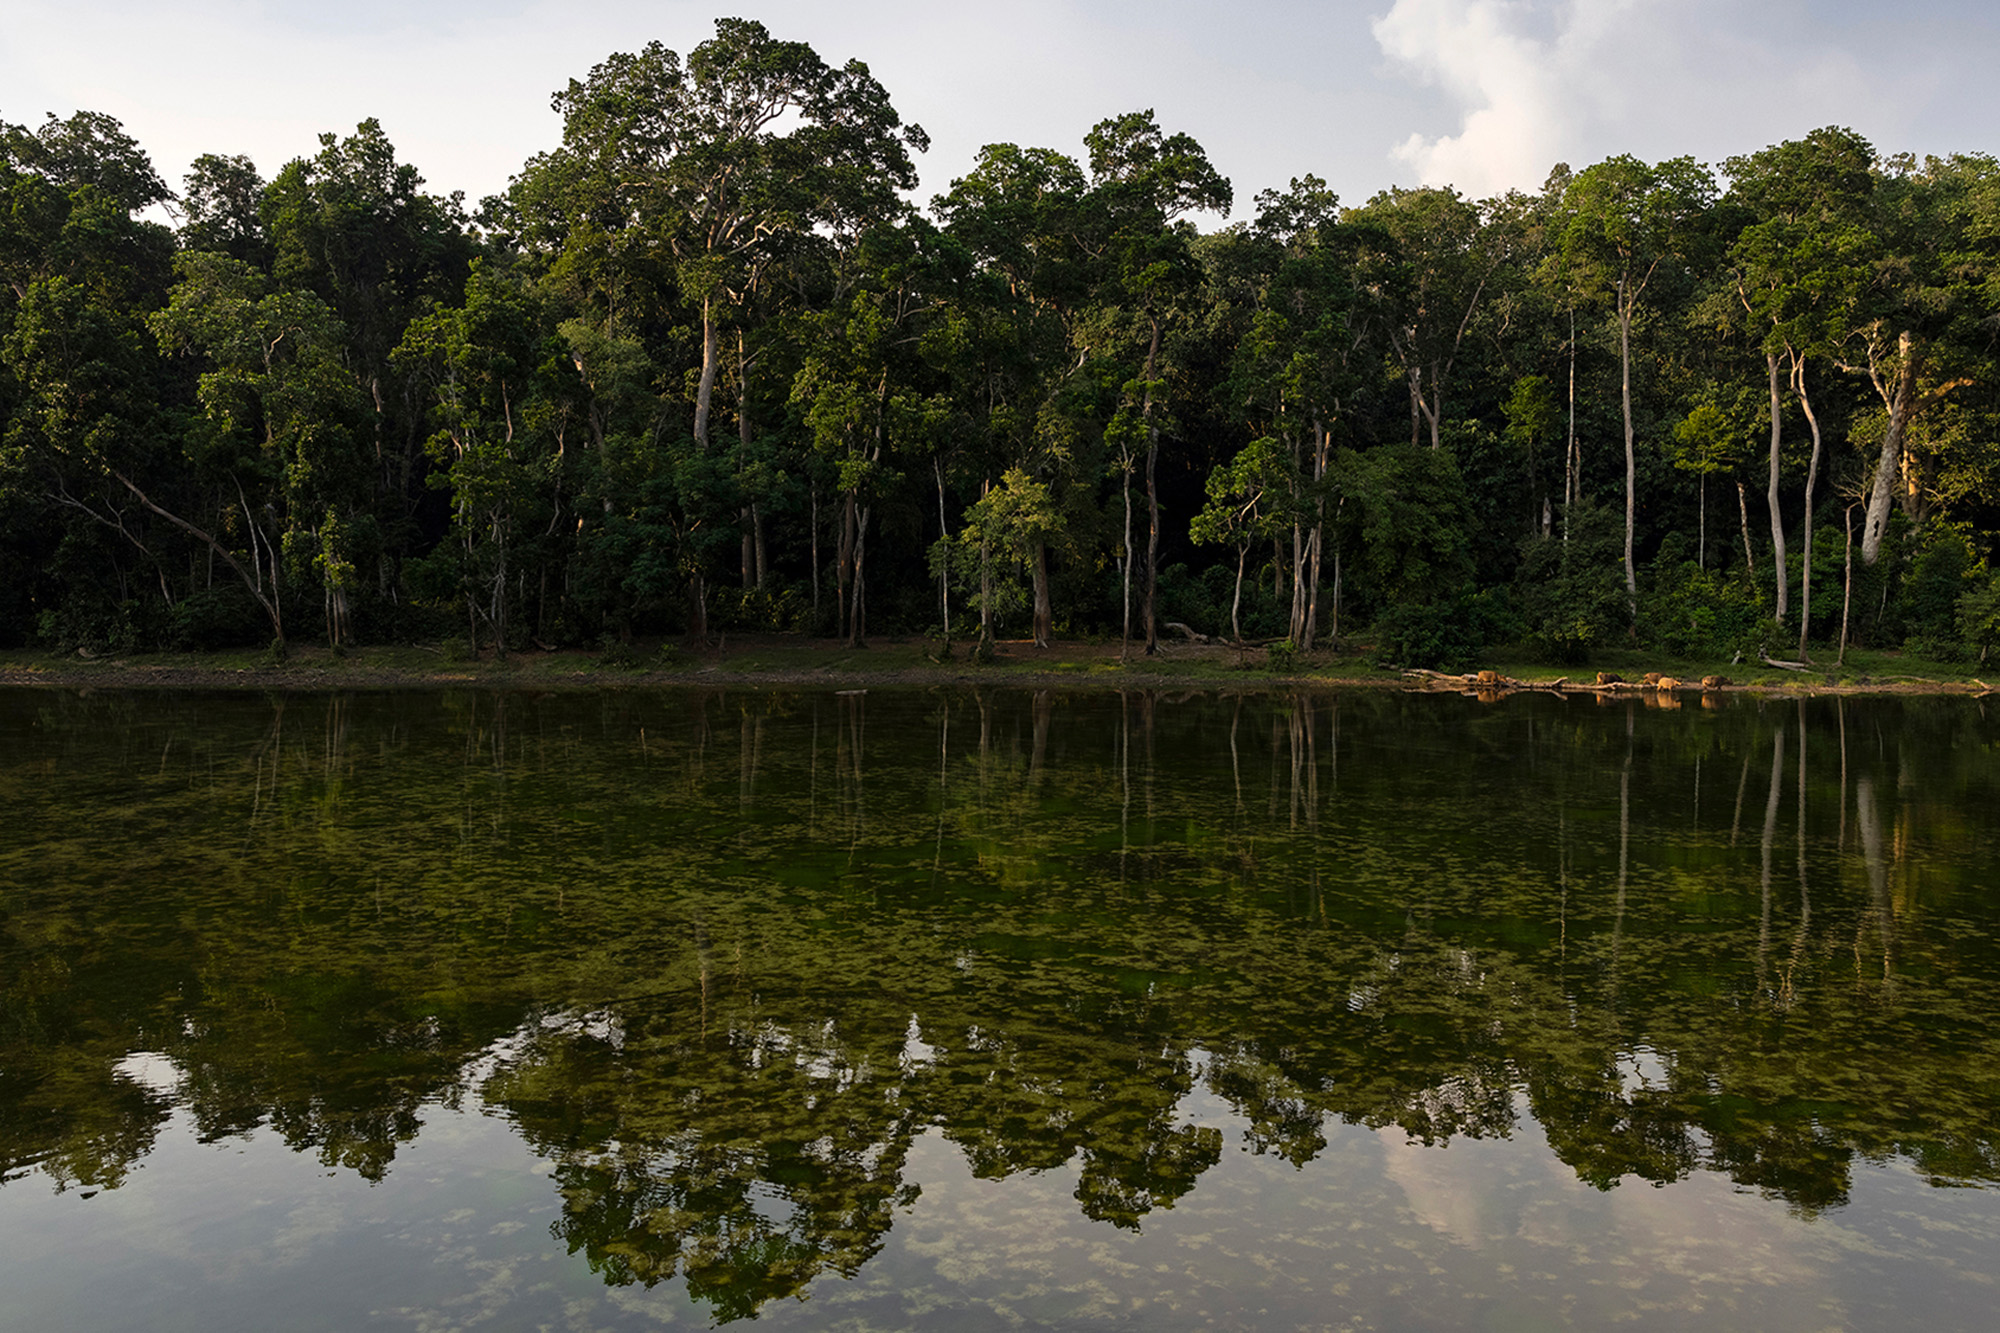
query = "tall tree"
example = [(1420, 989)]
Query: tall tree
[(1143, 183), (1295, 367), (280, 412), (355, 227), (720, 167), (1434, 272), (1799, 269), (1623, 220), (1921, 312), (1026, 378)]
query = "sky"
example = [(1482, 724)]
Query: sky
[(1482, 95)]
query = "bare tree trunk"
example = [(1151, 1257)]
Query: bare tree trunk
[(985, 579), (1322, 441), (1125, 571), (1847, 592), (1743, 511), (1771, 493), (704, 395), (1295, 627), (1572, 458), (704, 399), (1631, 458), (499, 613), (1812, 481), (944, 549), (1236, 602), (1149, 617), (1333, 630), (1701, 541), (1415, 376), (843, 568), (857, 620), (271, 604), (747, 517), (1045, 620), (1888, 467), (1313, 538)]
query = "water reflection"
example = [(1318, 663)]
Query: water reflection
[(725, 959)]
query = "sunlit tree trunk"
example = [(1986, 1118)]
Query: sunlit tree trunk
[(1771, 493)]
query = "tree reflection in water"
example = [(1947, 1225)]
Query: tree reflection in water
[(723, 957)]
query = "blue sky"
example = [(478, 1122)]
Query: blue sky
[(1481, 94)]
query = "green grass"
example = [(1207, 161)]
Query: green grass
[(750, 658)]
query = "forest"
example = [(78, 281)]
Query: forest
[(710, 365)]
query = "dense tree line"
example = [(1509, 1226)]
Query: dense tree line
[(707, 365)]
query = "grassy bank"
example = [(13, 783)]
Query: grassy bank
[(782, 659)]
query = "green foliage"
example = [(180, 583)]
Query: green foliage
[(1703, 614), (1943, 569), (1979, 615), (93, 625), (1449, 634), (712, 314), (1404, 512), (223, 615), (1570, 592)]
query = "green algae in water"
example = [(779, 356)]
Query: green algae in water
[(958, 1009)]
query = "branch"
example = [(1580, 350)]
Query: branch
[(214, 545)]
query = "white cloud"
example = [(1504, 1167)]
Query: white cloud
[(1542, 81)]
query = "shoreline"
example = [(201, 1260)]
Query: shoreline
[(779, 660)]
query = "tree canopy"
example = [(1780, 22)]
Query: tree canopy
[(708, 364)]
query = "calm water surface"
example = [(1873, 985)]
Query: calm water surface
[(967, 1010)]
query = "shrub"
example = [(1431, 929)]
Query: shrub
[(1447, 634), (1692, 612)]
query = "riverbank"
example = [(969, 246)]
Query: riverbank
[(772, 659)]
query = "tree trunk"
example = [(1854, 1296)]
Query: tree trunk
[(1847, 592), (1333, 628), (1322, 446), (273, 606), (1314, 536), (1045, 621), (1295, 627), (1236, 602), (1150, 612), (1701, 541), (1771, 492), (1125, 571), (1631, 459), (857, 619), (985, 579), (704, 395), (944, 549), (1415, 377), (1743, 511), (1888, 467), (1812, 480), (1572, 457), (704, 398), (843, 565)]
